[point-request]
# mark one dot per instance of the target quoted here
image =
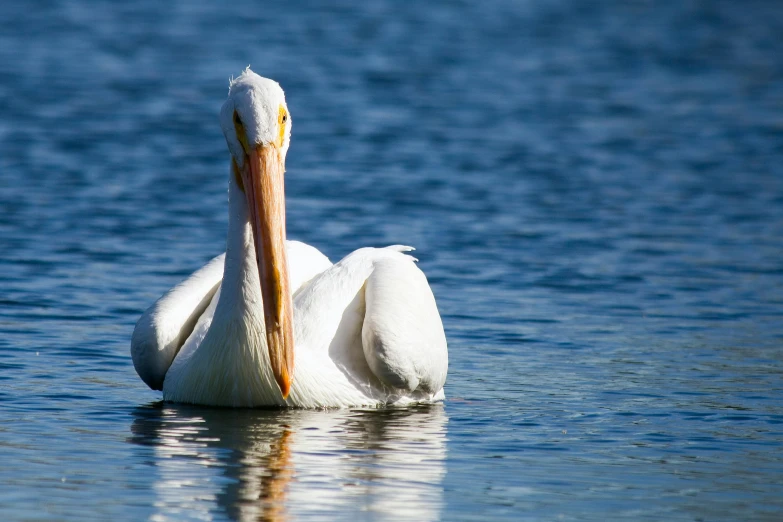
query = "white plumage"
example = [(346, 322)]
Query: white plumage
[(366, 330)]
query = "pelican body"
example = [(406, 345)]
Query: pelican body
[(273, 322)]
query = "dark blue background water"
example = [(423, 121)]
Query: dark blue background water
[(595, 192)]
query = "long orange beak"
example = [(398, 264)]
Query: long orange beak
[(265, 192)]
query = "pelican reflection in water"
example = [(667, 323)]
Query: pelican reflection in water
[(276, 465)]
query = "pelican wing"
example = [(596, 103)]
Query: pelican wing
[(402, 334), (185, 310), (164, 327), (367, 332), (304, 263)]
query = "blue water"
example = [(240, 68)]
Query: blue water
[(595, 191)]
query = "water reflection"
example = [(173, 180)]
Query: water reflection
[(279, 465)]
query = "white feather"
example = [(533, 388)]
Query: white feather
[(366, 329)]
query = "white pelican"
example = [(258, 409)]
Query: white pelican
[(272, 322)]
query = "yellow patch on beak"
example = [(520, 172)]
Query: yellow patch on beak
[(282, 118)]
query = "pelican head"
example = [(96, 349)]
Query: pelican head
[(257, 106), (257, 128)]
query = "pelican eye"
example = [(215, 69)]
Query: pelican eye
[(282, 117), (240, 132)]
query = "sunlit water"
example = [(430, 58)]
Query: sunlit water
[(595, 192)]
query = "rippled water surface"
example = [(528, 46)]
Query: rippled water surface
[(595, 192)]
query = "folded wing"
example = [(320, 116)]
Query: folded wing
[(402, 334)]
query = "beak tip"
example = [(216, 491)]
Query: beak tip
[(281, 361), (285, 386)]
